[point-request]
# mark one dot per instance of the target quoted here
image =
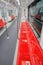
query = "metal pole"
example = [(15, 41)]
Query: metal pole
[(19, 19)]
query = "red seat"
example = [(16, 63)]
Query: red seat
[(2, 23)]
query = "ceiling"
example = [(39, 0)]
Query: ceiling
[(23, 3)]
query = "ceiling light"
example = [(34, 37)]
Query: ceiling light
[(18, 2)]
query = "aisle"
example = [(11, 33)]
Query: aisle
[(7, 46)]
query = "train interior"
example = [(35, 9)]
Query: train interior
[(21, 32)]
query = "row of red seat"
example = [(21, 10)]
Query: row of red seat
[(3, 23), (29, 50)]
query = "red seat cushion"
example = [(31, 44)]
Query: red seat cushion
[(2, 23)]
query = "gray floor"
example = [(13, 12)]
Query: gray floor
[(7, 46)]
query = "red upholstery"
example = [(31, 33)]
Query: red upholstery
[(29, 48), (2, 23)]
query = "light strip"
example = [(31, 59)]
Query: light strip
[(18, 2)]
